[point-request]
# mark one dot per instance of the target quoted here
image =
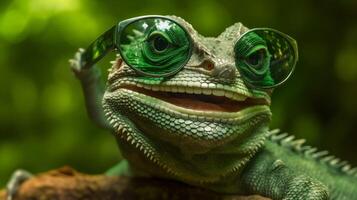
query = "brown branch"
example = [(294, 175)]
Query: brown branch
[(68, 184)]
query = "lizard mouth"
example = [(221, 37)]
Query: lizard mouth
[(201, 102)]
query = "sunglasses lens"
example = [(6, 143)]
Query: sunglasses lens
[(155, 46), (265, 57)]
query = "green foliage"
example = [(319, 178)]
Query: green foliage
[(43, 122)]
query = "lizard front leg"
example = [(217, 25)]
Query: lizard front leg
[(273, 179), (93, 89)]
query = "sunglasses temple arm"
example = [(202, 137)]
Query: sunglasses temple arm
[(90, 76), (99, 48)]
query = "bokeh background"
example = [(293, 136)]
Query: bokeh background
[(43, 122)]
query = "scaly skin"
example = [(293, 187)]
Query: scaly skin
[(204, 126)]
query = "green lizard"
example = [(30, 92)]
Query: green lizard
[(196, 109)]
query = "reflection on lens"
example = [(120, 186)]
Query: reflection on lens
[(265, 57), (155, 46)]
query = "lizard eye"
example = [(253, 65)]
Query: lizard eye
[(158, 42), (256, 59), (265, 57), (155, 46)]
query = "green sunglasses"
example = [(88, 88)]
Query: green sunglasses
[(158, 46)]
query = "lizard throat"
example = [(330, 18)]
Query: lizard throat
[(200, 102)]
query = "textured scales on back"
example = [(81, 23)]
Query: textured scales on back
[(197, 110), (323, 157)]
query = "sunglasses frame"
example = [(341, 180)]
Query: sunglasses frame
[(110, 41)]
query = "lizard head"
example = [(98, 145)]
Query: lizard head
[(200, 124)]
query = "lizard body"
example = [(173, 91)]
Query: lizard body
[(204, 125)]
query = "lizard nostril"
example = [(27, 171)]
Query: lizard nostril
[(208, 65)]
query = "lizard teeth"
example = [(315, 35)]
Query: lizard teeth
[(218, 93), (207, 91), (189, 88)]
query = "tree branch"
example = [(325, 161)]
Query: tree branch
[(67, 184)]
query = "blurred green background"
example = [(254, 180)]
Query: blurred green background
[(43, 122)]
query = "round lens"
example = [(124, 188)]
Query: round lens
[(265, 57), (155, 46)]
